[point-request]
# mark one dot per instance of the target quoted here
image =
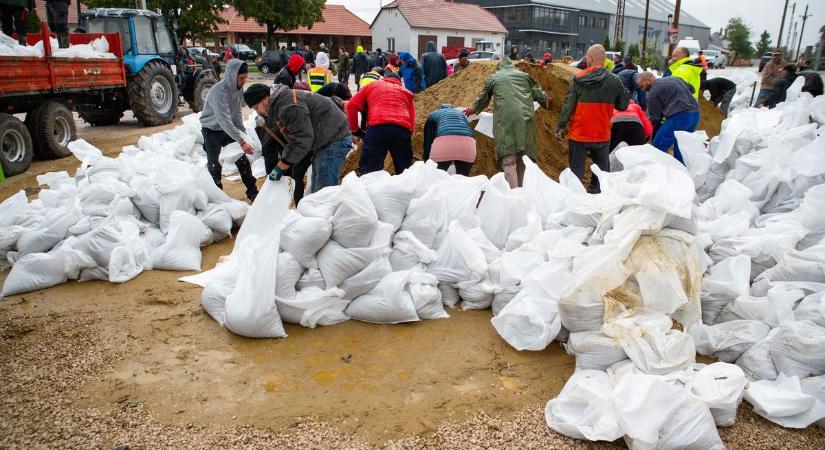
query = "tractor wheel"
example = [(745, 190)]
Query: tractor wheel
[(52, 128), (201, 90), (102, 117), (15, 145), (153, 95)]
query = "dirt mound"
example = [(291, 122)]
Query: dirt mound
[(464, 87)]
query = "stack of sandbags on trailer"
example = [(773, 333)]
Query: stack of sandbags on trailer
[(152, 207)]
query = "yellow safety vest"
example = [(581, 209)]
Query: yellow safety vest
[(318, 77)]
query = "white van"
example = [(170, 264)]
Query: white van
[(692, 45)]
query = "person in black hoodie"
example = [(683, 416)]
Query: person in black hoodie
[(360, 65), (434, 64), (780, 87), (721, 90)]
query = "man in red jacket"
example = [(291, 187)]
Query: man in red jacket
[(390, 120)]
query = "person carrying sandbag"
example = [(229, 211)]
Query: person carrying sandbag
[(315, 129), (514, 125)]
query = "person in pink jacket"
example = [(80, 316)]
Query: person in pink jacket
[(630, 126)]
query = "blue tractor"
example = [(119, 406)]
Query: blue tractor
[(158, 71)]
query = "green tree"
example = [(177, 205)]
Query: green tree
[(192, 18), (32, 22), (281, 14), (764, 44), (633, 51), (739, 36), (606, 43), (618, 46)]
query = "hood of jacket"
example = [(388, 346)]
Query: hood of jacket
[(394, 59), (591, 76), (407, 58), (232, 69), (359, 49), (322, 60), (295, 63), (505, 64), (430, 46)]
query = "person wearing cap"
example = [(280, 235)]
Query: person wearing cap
[(315, 132), (222, 124), (320, 74), (770, 73), (390, 113), (449, 140), (373, 75), (290, 73), (780, 87), (547, 59), (360, 65), (463, 61)]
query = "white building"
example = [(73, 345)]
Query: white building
[(407, 25)]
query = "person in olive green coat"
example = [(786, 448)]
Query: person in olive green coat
[(514, 124)]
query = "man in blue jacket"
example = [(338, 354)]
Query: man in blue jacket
[(412, 73)]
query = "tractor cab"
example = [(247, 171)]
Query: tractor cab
[(144, 34)]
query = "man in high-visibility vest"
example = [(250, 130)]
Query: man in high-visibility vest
[(320, 74), (373, 75)]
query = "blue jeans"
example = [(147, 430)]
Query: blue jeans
[(665, 137), (327, 163), (381, 139), (763, 95)]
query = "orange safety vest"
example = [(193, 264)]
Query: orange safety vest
[(318, 77)]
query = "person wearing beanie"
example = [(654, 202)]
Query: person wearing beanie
[(222, 124), (463, 61), (314, 131), (320, 74), (289, 74), (547, 60)]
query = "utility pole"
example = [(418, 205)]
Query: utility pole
[(802, 33), (644, 36), (782, 27), (618, 31), (790, 26), (676, 27)]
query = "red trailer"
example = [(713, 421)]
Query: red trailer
[(47, 89)]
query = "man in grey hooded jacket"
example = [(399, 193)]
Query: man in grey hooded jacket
[(222, 124)]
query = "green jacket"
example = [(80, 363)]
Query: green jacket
[(343, 63), (514, 119), (689, 71)]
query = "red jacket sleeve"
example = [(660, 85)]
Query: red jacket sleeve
[(412, 113), (647, 127), (354, 106)]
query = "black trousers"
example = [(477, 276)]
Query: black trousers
[(381, 139), (600, 155), (212, 142), (57, 14), (12, 21), (297, 172), (630, 132), (461, 167)]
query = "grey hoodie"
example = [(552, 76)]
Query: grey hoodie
[(222, 110)]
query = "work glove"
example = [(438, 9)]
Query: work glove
[(276, 174), (561, 133), (468, 111), (260, 121)]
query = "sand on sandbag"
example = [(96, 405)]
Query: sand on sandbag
[(462, 89)]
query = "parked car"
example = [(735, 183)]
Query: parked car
[(716, 60), (476, 56), (270, 62), (205, 52), (243, 52), (609, 56), (764, 60)]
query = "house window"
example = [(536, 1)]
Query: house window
[(391, 45), (592, 22), (582, 21), (603, 23)]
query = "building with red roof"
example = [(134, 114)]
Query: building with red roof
[(407, 25)]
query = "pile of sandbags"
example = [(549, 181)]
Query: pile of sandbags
[(152, 207), (98, 48)]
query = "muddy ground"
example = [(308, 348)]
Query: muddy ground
[(98, 365)]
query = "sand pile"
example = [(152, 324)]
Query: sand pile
[(464, 87)]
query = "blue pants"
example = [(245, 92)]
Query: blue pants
[(327, 163), (665, 137)]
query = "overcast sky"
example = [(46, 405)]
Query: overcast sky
[(760, 14)]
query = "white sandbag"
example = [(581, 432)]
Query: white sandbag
[(312, 307), (44, 239), (805, 265), (775, 309), (218, 219), (459, 258), (720, 386), (782, 401), (355, 219), (503, 297), (728, 340), (476, 294), (812, 308), (213, 297), (423, 289), (181, 250), (303, 236), (449, 295), (388, 302), (525, 233), (288, 271), (181, 195), (32, 272), (528, 322), (408, 251), (815, 386), (270, 207), (582, 409), (425, 219), (799, 349), (460, 197), (582, 313), (365, 280), (756, 361), (656, 414), (501, 210), (311, 278), (391, 198), (122, 266), (726, 280), (490, 251), (512, 267), (338, 263), (147, 199), (100, 242), (650, 341), (593, 350), (250, 308), (320, 204)]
